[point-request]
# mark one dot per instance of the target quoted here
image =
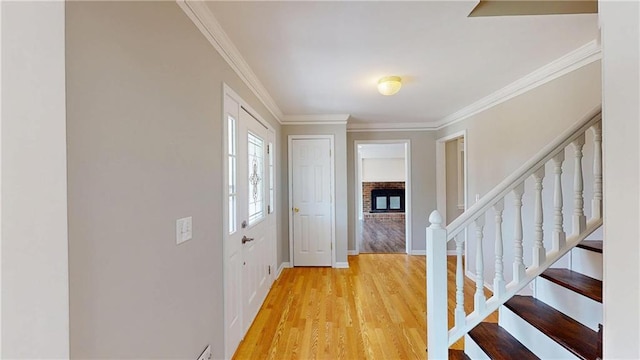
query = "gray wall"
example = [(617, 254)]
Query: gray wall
[(423, 179), (451, 175), (340, 143), (144, 101)]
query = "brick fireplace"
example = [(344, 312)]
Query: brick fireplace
[(392, 216)]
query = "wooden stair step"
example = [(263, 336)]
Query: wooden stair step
[(575, 281), (457, 355), (573, 336), (592, 245), (498, 344)]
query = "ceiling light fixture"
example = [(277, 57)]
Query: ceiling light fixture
[(389, 85)]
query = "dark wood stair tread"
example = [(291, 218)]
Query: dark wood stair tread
[(592, 245), (575, 337), (575, 281), (498, 344), (457, 355)]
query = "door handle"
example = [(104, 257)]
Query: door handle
[(295, 209), (246, 239)]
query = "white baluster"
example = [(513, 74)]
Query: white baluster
[(438, 334), (479, 298), (460, 315), (518, 262), (539, 252), (498, 281), (559, 236), (579, 220), (596, 203)]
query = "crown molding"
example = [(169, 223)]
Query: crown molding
[(325, 119), (386, 127), (574, 60), (207, 23)]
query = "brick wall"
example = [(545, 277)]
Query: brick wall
[(366, 200)]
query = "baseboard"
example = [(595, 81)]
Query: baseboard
[(352, 252), (341, 265), (418, 252), (451, 253), (282, 267)]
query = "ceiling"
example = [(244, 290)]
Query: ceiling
[(325, 57)]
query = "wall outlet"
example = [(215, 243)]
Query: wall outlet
[(184, 230), (206, 354)]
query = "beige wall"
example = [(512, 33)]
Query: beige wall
[(423, 179), (144, 102), (621, 118), (340, 141), (35, 283)]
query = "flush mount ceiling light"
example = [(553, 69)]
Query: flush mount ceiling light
[(389, 85)]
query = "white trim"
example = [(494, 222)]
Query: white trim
[(419, 252), (388, 127), (451, 253), (284, 265), (341, 265), (326, 119), (472, 276), (441, 172), (207, 23), (332, 191), (1, 181), (352, 252), (407, 198)]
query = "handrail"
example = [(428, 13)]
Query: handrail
[(523, 172)]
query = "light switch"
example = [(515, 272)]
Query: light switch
[(184, 230)]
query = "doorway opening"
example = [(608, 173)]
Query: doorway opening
[(383, 196)]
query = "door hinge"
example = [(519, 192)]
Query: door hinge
[(269, 269), (268, 149), (268, 209)]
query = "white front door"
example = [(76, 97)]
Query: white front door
[(250, 242), (312, 203)]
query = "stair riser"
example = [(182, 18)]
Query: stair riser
[(472, 349), (587, 262), (580, 308), (532, 338)]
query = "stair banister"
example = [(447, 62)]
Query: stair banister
[(439, 337)]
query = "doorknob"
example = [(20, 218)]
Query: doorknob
[(295, 209), (246, 239)]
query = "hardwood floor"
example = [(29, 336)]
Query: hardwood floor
[(382, 237), (373, 310)]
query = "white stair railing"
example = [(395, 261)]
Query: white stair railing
[(439, 336)]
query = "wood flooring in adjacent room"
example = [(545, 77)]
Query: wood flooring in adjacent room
[(382, 237), (375, 309)]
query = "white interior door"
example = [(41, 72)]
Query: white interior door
[(312, 203), (251, 239)]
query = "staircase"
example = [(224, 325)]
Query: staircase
[(552, 306)]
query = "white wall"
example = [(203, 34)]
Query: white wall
[(621, 112), (35, 300), (382, 170)]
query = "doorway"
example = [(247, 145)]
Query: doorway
[(249, 220), (383, 196)]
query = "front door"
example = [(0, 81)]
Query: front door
[(250, 242), (312, 203)]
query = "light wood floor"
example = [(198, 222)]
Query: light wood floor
[(373, 310)]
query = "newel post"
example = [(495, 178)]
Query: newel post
[(437, 321)]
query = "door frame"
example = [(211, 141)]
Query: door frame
[(332, 191), (226, 278), (407, 196)]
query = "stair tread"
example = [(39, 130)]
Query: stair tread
[(575, 337), (582, 284), (592, 245), (498, 343), (457, 355)]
